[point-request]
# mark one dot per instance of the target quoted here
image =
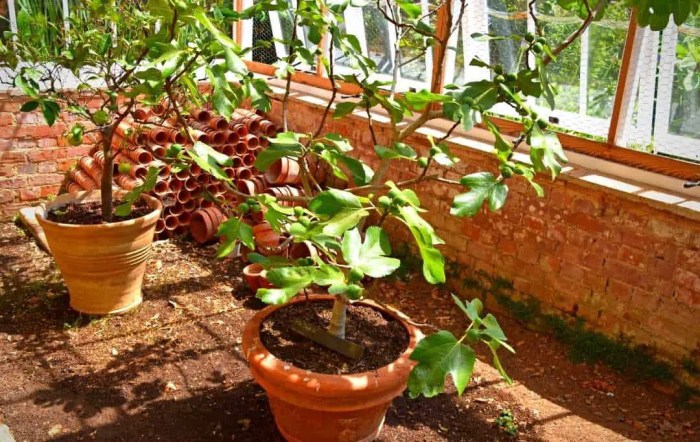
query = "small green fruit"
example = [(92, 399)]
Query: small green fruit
[(542, 124), (298, 211), (305, 221), (511, 78), (384, 201), (256, 208), (243, 208), (422, 162), (529, 37), (542, 41), (537, 48), (356, 274), (499, 79), (506, 171), (251, 201), (393, 193), (434, 151), (498, 69), (353, 291)]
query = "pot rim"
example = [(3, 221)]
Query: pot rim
[(302, 380), (152, 216)]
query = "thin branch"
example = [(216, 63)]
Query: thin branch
[(590, 18)]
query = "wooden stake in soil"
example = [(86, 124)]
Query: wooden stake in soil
[(328, 340)]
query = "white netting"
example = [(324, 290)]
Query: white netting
[(662, 109)]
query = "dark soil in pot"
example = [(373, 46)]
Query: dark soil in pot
[(383, 337), (91, 213)]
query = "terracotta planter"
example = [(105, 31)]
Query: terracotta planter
[(318, 407), (283, 171), (102, 264), (265, 236), (255, 277), (205, 223), (304, 249)]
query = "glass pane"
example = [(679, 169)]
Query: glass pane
[(506, 17), (40, 23), (684, 119), (269, 33), (4, 18), (606, 44), (377, 38), (664, 114)]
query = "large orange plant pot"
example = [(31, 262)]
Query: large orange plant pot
[(102, 264), (314, 407)]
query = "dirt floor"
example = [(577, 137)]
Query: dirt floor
[(172, 369)]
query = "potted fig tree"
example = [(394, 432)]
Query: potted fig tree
[(112, 61), (331, 364)]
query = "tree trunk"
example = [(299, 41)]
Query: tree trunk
[(338, 318), (106, 184)]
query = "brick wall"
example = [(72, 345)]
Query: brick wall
[(626, 265), (33, 156)]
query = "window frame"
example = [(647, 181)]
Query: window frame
[(609, 150)]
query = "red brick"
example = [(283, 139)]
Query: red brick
[(632, 255), (507, 247), (29, 194), (40, 155), (49, 190), (6, 118), (13, 183), (533, 223), (7, 170), (13, 157), (7, 196), (43, 180)]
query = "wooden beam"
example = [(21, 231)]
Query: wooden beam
[(683, 170), (305, 78), (623, 80)]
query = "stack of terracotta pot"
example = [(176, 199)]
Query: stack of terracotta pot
[(188, 196)]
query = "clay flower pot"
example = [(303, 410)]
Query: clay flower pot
[(283, 171), (265, 236), (205, 223), (102, 264), (318, 407), (255, 277)]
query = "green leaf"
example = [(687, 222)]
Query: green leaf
[(332, 201), (288, 282), (234, 230), (420, 100), (343, 109), (210, 160), (439, 355), (29, 106), (397, 151), (482, 186), (134, 194), (369, 256), (426, 239), (286, 144), (223, 39), (343, 221), (50, 110), (546, 151), (234, 63), (339, 142), (328, 274)]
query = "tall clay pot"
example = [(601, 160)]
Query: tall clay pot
[(314, 407), (102, 264)]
